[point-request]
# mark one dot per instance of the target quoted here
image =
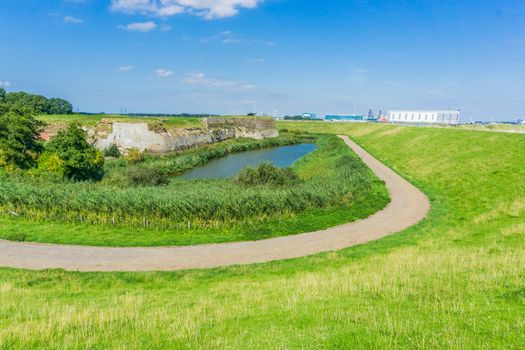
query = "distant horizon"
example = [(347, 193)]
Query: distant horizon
[(286, 57), (463, 119)]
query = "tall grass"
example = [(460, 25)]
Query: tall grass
[(192, 203)]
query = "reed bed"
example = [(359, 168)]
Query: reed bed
[(193, 203)]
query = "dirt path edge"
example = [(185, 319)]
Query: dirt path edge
[(408, 207)]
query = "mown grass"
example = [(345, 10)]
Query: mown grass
[(456, 281), (196, 211)]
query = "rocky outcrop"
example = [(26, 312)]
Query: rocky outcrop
[(256, 128), (159, 139)]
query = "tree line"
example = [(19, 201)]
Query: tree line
[(67, 155), (36, 104)]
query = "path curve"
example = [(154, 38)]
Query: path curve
[(408, 206)]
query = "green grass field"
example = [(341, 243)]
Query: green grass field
[(455, 281)]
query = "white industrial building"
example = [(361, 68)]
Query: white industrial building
[(424, 117)]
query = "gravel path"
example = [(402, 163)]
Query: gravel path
[(408, 207)]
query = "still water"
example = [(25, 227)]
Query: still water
[(230, 165)]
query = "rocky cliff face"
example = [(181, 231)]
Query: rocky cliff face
[(256, 128), (156, 138)]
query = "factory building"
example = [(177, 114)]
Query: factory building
[(424, 117)]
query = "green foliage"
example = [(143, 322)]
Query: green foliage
[(81, 160), (58, 106), (134, 156), (112, 151), (19, 138), (37, 104), (141, 176), (267, 174), (34, 104), (51, 163), (200, 203)]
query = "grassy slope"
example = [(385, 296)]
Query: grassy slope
[(495, 127), (455, 281), (92, 120)]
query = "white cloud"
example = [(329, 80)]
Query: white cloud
[(358, 75), (165, 28), (73, 20), (396, 84), (225, 37), (5, 84), (255, 61), (231, 41), (127, 68), (163, 73), (199, 78), (140, 27), (209, 9)]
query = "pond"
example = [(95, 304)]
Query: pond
[(231, 165)]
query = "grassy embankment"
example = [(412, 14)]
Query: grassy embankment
[(456, 281), (92, 120), (495, 127), (337, 188)]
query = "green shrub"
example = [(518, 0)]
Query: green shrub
[(112, 151), (51, 163), (81, 160), (135, 156), (140, 176), (267, 174), (19, 138)]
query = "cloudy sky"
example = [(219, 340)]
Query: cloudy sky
[(288, 56)]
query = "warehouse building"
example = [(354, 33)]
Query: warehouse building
[(424, 117)]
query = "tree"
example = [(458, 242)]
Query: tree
[(36, 103), (81, 160), (58, 106), (19, 138)]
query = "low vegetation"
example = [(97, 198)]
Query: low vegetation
[(266, 174), (139, 176), (92, 119), (137, 193), (112, 151), (456, 281)]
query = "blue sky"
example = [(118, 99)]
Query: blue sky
[(290, 56)]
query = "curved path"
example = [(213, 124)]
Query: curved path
[(408, 207)]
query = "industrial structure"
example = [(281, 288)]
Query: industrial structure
[(424, 117), (312, 116), (345, 118)]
